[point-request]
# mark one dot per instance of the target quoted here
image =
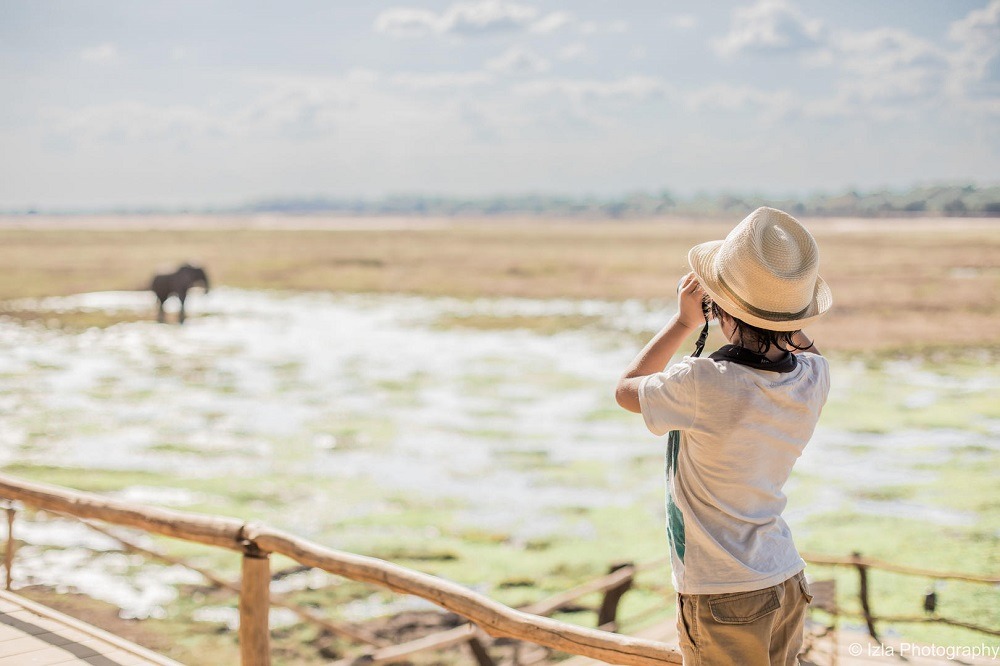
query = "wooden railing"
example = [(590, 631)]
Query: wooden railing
[(257, 542), (612, 586), (863, 564)]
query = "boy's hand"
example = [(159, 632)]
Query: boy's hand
[(657, 352), (689, 300), (655, 355)]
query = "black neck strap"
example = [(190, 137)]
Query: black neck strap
[(699, 346), (744, 356)]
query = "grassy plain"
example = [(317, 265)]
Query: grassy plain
[(909, 285)]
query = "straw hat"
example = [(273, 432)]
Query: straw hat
[(765, 272)]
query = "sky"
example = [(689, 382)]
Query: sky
[(177, 103)]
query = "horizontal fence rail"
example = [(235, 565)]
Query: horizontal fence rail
[(494, 618), (303, 613), (209, 530), (612, 585), (872, 563), (862, 564), (257, 542)]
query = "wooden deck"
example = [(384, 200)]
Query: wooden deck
[(33, 635)]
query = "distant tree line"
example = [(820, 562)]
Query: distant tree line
[(928, 201), (935, 200)]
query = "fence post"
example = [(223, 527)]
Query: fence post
[(863, 592), (609, 605), (255, 605), (8, 556), (479, 652)]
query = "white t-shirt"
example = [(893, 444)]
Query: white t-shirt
[(741, 430)]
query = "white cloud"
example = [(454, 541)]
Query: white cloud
[(770, 26), (360, 75), (127, 121), (595, 27), (683, 21), (890, 65), (888, 72), (572, 51), (102, 53), (518, 60), (977, 61), (486, 16), (771, 105), (358, 107), (293, 107), (636, 87), (979, 30), (440, 80), (404, 22), (298, 107), (552, 22), (883, 74), (468, 19)]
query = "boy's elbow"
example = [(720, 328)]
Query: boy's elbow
[(627, 394)]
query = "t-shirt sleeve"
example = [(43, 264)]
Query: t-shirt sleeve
[(821, 370), (824, 376), (667, 399)]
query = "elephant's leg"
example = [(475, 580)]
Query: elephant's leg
[(160, 314), (180, 317)]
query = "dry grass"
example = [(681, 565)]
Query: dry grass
[(897, 284)]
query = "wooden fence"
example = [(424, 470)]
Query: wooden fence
[(863, 564), (257, 542)]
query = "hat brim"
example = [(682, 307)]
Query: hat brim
[(702, 260)]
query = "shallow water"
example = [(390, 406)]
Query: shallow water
[(257, 370), (349, 387)]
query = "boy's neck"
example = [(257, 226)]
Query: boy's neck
[(774, 353)]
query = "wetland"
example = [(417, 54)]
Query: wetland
[(442, 397)]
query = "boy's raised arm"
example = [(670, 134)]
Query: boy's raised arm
[(799, 339), (657, 353)]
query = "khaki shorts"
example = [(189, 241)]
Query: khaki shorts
[(759, 628)]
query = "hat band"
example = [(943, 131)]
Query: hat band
[(758, 312)]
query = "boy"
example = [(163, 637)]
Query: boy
[(740, 419)]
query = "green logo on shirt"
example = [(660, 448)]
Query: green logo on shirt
[(675, 519)]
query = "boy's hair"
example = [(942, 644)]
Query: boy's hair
[(751, 336)]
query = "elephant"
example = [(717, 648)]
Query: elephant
[(178, 282)]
